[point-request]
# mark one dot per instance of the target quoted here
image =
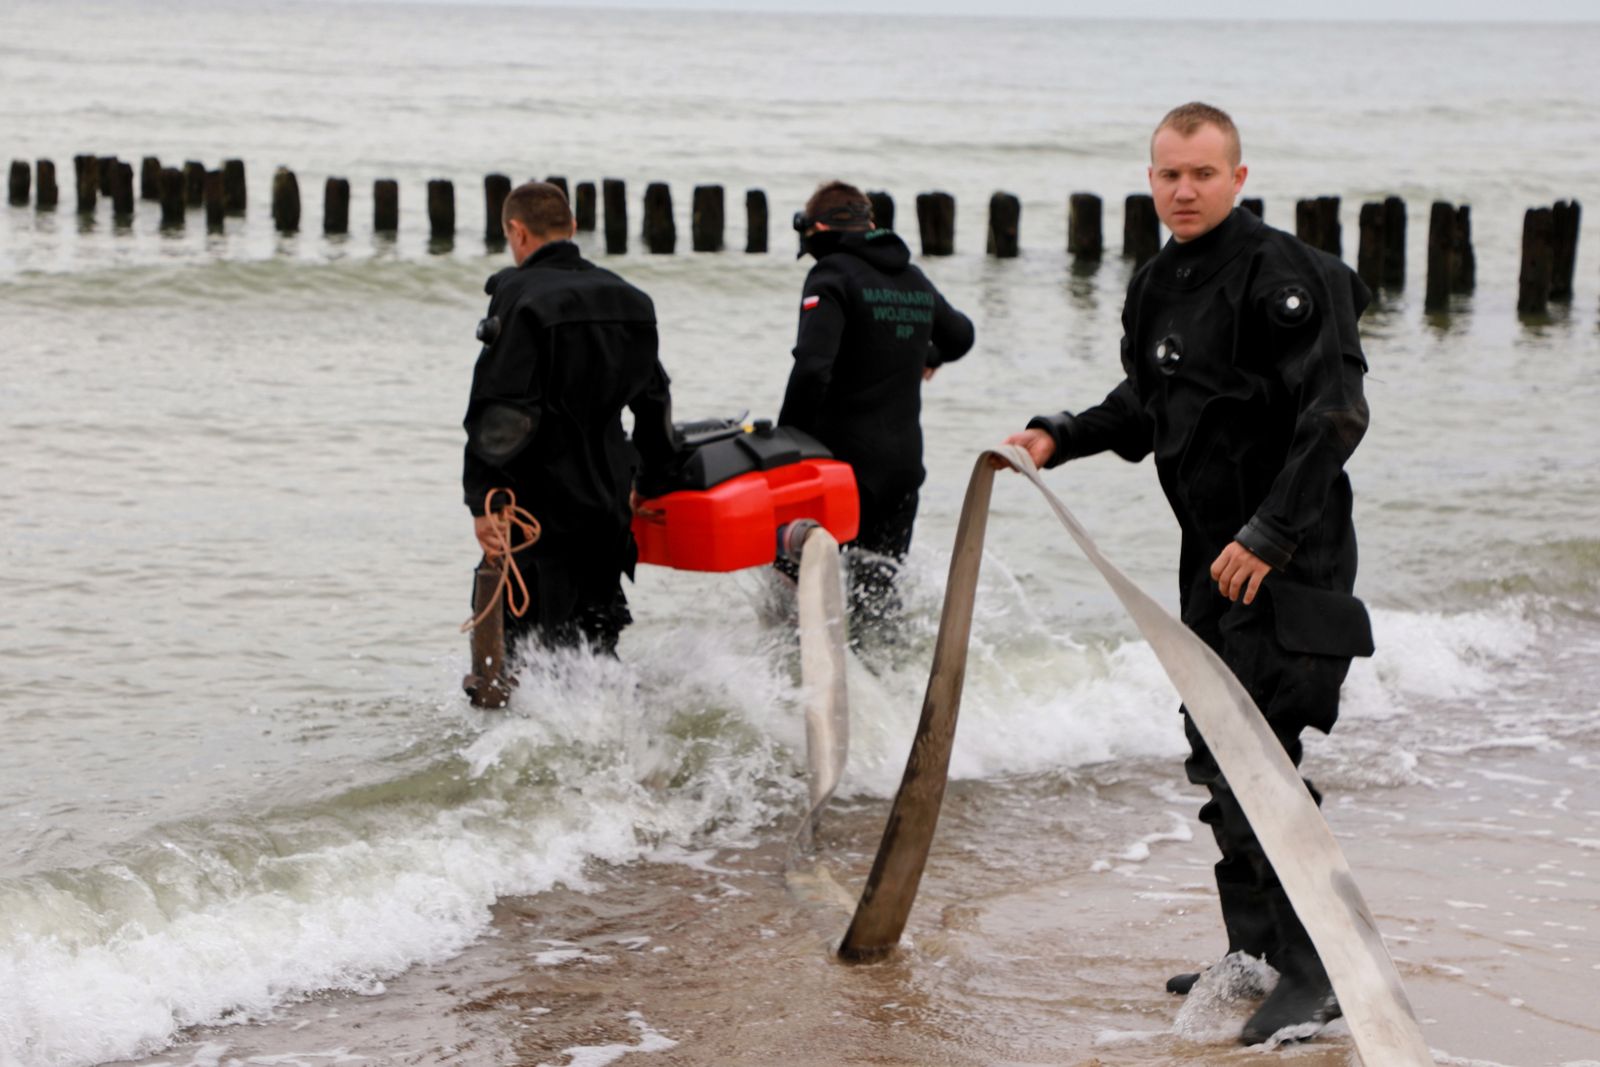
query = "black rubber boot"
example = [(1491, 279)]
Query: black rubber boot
[(1182, 983), (1247, 912), (1303, 997)]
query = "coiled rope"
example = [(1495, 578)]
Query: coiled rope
[(511, 588)]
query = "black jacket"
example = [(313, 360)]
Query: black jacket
[(567, 346), (1244, 377), (869, 323)]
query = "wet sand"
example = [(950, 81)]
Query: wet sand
[(1051, 913)]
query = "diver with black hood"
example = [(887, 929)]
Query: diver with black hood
[(872, 329)]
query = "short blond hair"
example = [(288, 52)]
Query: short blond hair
[(1188, 118)]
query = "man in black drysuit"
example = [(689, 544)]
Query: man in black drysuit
[(872, 330), (1244, 378), (566, 346)]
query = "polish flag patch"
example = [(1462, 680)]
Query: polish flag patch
[(810, 302)]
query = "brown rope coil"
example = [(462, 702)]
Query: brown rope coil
[(511, 587)]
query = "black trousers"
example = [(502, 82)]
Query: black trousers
[(1294, 690), (873, 559)]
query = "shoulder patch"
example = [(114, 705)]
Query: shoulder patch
[(1289, 305), (810, 302)]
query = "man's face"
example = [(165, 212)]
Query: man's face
[(1193, 180)]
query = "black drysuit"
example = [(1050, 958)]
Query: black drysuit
[(566, 346), (870, 323), (1244, 378)]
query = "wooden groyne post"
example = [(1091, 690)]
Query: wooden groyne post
[(106, 168), (285, 201), (936, 219), (882, 209), (1538, 261), (442, 210), (1441, 255), (1564, 218), (496, 187), (171, 198), (1316, 222), (386, 206), (194, 184), (122, 192), (336, 206), (755, 221), (88, 181), (1369, 253), (615, 193), (1005, 226), (1141, 228), (1085, 226), (1393, 275), (660, 231), (233, 190), (150, 178), (216, 198), (21, 183), (706, 219), (560, 183), (46, 195), (1464, 262), (583, 206)]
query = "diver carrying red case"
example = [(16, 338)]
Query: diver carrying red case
[(739, 489)]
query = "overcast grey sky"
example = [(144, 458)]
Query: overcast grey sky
[(1376, 10)]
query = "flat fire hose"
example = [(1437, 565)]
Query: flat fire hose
[(1286, 820), (822, 671)]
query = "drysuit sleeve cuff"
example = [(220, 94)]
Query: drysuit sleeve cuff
[(1273, 550), (1059, 427)]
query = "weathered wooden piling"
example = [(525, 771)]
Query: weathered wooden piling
[(1005, 225), (385, 206), (1371, 250), (106, 167), (1394, 243), (122, 192), (1464, 262), (1254, 205), (1141, 228), (936, 219), (1316, 222), (707, 218), (487, 686), (882, 209), (285, 200), (336, 206), (194, 184), (88, 175), (21, 183), (660, 232), (1085, 226), (496, 187), (1538, 262), (1564, 217), (1441, 255), (233, 186), (150, 178), (583, 206), (560, 183), (755, 225), (442, 209), (171, 198), (216, 201), (46, 194), (614, 192)]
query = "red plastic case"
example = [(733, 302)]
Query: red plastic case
[(735, 524)]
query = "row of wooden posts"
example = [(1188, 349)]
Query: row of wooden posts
[(1549, 235)]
